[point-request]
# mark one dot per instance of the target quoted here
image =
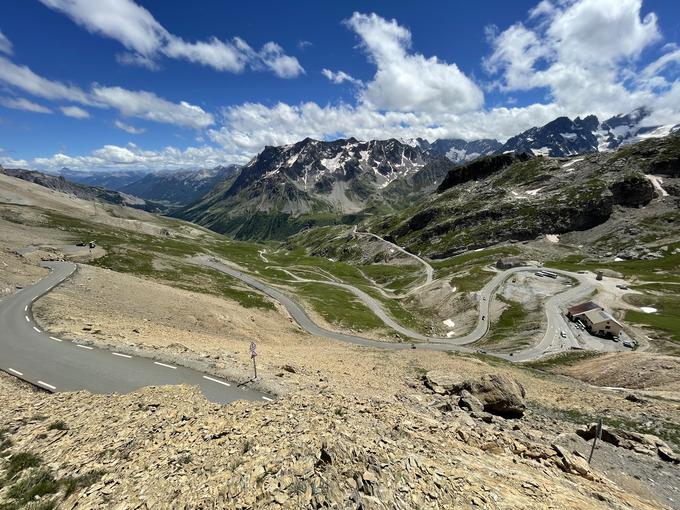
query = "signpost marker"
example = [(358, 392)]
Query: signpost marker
[(598, 435), (253, 355)]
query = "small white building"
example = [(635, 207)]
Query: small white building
[(600, 323)]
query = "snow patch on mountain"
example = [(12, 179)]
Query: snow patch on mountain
[(567, 137), (572, 162)]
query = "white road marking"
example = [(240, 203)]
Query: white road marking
[(55, 339), (216, 380), (164, 365), (85, 347), (15, 371), (27, 319), (36, 329), (121, 355), (268, 399), (26, 308), (47, 385)]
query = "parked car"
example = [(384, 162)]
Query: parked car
[(628, 343)]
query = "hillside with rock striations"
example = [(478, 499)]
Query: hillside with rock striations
[(510, 197)]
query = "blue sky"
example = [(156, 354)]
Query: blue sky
[(119, 84)]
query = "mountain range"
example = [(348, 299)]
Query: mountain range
[(172, 189), (288, 188), (558, 138), (83, 191), (284, 189), (615, 205), (518, 197)]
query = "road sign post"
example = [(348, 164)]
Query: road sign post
[(253, 355), (598, 435)]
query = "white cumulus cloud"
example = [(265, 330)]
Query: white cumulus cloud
[(130, 129), (24, 79), (406, 81), (123, 20), (147, 105), (21, 103), (582, 51), (74, 111), (140, 104), (135, 28), (220, 55), (274, 58), (339, 77), (5, 44), (129, 157)]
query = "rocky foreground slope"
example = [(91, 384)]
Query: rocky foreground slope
[(169, 448)]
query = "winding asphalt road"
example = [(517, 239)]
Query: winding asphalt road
[(551, 340), (57, 364)]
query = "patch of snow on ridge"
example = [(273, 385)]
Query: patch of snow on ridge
[(534, 192), (333, 163), (602, 140), (553, 238), (543, 151), (569, 136), (572, 162), (648, 309), (659, 132), (621, 132), (656, 182), (456, 154)]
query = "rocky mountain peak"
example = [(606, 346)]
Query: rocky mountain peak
[(317, 165), (565, 137)]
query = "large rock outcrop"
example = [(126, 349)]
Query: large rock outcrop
[(646, 444), (499, 394)]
